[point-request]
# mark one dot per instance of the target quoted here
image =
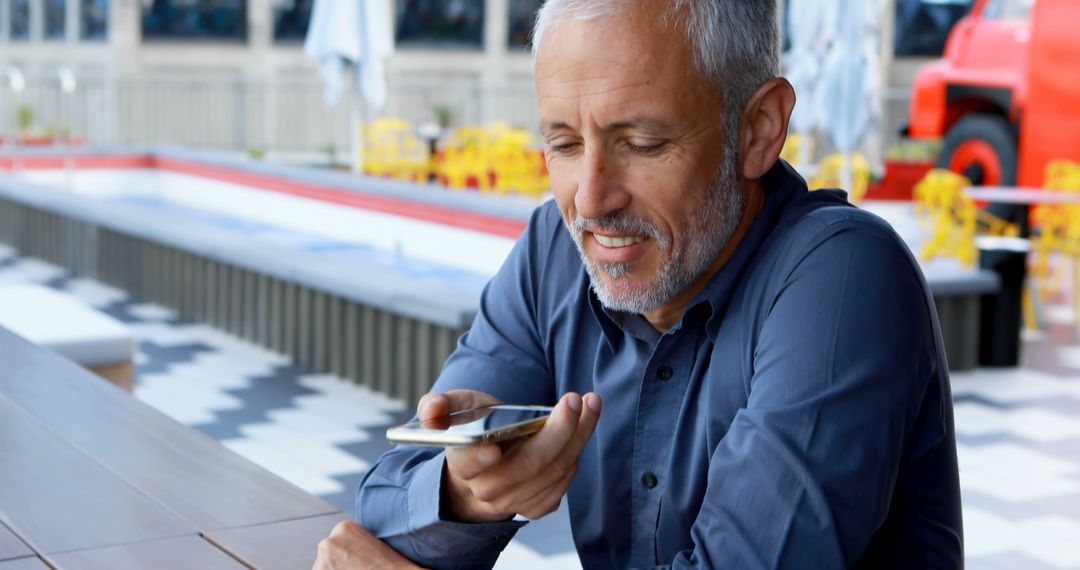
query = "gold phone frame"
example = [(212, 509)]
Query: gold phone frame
[(405, 435)]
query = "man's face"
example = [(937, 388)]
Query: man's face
[(640, 165)]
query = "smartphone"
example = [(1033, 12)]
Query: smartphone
[(474, 427)]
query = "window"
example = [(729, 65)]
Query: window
[(522, 18), (20, 19), (291, 19), (923, 26), (55, 19), (194, 20), (95, 20), (440, 23)]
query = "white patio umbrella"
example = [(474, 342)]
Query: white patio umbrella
[(802, 64), (851, 83), (354, 35)]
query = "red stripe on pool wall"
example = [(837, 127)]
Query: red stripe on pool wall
[(87, 162), (404, 208), (455, 218)]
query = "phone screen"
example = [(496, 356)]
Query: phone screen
[(472, 427), (481, 420)]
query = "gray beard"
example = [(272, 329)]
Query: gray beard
[(708, 231)]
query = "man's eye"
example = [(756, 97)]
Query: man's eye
[(647, 148), (562, 147)]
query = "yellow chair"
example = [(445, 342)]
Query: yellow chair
[(517, 163), (830, 173), (509, 155), (1059, 232), (950, 214), (467, 155), (392, 149), (953, 220)]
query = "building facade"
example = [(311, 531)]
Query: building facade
[(232, 74)]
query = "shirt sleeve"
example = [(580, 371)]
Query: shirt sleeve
[(502, 355), (845, 372)]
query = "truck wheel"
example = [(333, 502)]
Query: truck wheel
[(983, 148)]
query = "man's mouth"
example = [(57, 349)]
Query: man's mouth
[(618, 241)]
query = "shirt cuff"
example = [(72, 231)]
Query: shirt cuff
[(449, 538)]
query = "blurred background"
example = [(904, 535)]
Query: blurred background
[(232, 75), (270, 220)]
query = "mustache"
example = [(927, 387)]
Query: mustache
[(618, 224)]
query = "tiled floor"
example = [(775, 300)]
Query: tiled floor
[(1018, 429)]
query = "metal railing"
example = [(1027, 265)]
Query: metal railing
[(286, 113), (243, 113)]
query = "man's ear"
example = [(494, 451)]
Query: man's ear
[(765, 127)]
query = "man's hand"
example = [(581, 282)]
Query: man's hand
[(528, 476), (351, 547)]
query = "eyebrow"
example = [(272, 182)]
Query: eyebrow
[(647, 123), (547, 127)]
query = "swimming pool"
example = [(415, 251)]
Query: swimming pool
[(311, 218), (369, 279)]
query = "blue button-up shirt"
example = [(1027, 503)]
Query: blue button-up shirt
[(799, 415)]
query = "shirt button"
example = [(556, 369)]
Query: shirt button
[(649, 480), (665, 372)]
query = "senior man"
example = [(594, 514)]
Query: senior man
[(768, 360)]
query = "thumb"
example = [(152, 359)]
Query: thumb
[(435, 405)]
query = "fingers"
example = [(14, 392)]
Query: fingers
[(546, 501), (557, 473), (537, 453), (529, 477), (467, 463), (352, 546), (464, 463), (432, 406), (546, 460), (459, 501), (438, 404), (590, 415)]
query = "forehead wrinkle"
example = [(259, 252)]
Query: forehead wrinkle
[(599, 75), (600, 86)]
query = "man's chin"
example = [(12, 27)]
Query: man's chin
[(624, 293)]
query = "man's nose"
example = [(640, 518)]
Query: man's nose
[(600, 189)]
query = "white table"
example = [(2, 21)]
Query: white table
[(1021, 196)]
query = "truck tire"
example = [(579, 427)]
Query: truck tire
[(984, 149)]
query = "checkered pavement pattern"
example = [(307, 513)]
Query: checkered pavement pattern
[(1018, 430)]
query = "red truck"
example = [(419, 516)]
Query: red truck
[(1006, 95)]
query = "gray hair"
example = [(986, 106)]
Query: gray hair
[(736, 43)]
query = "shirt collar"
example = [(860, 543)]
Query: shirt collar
[(615, 324)]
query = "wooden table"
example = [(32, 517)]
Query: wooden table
[(92, 478)]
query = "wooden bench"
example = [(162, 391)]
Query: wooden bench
[(93, 478)]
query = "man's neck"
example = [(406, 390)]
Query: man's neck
[(664, 318)]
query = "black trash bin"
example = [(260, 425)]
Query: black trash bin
[(1001, 315)]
